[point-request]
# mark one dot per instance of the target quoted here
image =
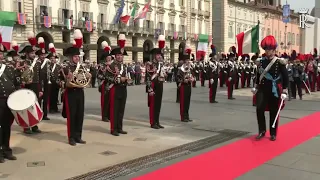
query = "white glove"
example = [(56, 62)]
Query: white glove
[(254, 90), (211, 81), (230, 78), (239, 74), (283, 96)]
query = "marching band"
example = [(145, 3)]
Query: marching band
[(35, 76)]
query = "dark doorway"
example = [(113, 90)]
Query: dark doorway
[(47, 38), (99, 49), (182, 46), (147, 47)]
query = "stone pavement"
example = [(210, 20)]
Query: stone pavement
[(50, 157), (299, 163)]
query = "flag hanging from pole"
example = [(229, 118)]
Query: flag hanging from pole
[(248, 41), (119, 13)]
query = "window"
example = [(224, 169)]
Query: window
[(280, 36), (268, 32), (262, 33), (181, 2), (192, 28), (288, 37), (148, 24), (199, 5), (293, 39), (298, 39), (238, 30), (207, 6), (171, 27), (230, 31), (17, 6), (182, 28), (161, 25), (199, 27), (276, 35), (230, 12)]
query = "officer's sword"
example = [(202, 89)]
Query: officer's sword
[(278, 113), (306, 87)]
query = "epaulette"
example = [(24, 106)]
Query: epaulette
[(283, 61)]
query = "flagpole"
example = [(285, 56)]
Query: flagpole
[(258, 50)]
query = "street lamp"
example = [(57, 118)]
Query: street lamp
[(167, 52), (284, 46)]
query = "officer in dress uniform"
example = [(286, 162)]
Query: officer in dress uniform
[(19, 63), (104, 86), (117, 78), (44, 78), (231, 72), (155, 76), (7, 87), (213, 71), (74, 99), (185, 79), (55, 79), (180, 63), (33, 84), (271, 86)]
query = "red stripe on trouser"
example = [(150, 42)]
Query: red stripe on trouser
[(111, 97), (243, 81), (151, 106), (102, 100), (181, 102), (210, 92), (49, 93), (66, 104), (229, 88)]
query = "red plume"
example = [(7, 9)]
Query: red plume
[(32, 39), (122, 40), (212, 46), (0, 38)]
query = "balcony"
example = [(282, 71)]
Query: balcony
[(123, 28), (182, 35), (193, 11), (206, 13)]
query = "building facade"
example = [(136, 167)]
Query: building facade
[(239, 16), (311, 33), (181, 21)]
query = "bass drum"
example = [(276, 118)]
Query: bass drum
[(25, 108)]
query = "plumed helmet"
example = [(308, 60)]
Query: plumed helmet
[(269, 43)]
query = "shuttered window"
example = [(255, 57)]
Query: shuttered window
[(17, 6)]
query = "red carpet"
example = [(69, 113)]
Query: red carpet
[(235, 159)]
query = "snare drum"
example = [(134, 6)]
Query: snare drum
[(25, 108)]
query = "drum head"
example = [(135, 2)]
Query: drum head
[(21, 99)]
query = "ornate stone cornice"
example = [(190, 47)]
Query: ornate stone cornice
[(106, 2), (86, 1), (117, 4), (160, 10), (160, 2), (172, 12), (183, 14), (231, 23)]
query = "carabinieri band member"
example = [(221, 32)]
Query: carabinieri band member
[(118, 79), (7, 87), (185, 79), (31, 74), (76, 79), (213, 72), (231, 72), (104, 86), (271, 86), (155, 76)]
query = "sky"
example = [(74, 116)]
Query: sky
[(298, 4)]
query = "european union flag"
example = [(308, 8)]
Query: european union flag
[(119, 13)]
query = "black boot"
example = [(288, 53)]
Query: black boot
[(260, 135), (72, 142), (273, 138), (10, 157), (115, 133), (122, 132), (154, 126), (80, 141), (160, 126)]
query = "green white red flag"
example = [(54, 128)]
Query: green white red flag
[(7, 21), (248, 41), (202, 45)]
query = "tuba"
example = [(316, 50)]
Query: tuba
[(186, 69), (80, 78), (27, 74)]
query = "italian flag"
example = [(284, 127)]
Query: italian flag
[(125, 19), (7, 21), (248, 41), (202, 45)]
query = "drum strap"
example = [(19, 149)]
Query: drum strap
[(3, 67)]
